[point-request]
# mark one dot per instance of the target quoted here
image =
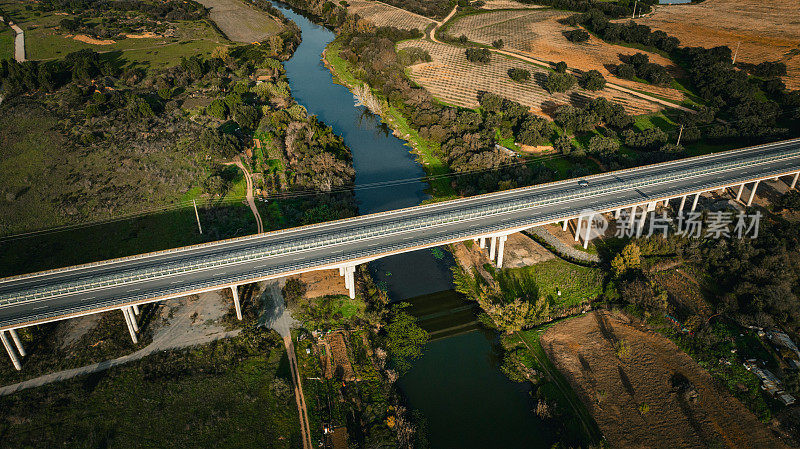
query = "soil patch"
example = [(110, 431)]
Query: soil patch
[(93, 41), (323, 283), (241, 22), (645, 392)]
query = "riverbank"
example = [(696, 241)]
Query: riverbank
[(437, 171)]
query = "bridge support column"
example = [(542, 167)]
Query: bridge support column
[(492, 247), (483, 242), (564, 227), (11, 354), (616, 214), (752, 193), (683, 203), (17, 342), (500, 249), (135, 309), (794, 180), (588, 231), (350, 280), (129, 322), (640, 227), (739, 193), (236, 304), (694, 203), (578, 228)]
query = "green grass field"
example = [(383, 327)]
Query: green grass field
[(215, 395), (6, 42), (45, 40), (576, 283)]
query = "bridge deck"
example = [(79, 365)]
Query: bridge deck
[(56, 294)]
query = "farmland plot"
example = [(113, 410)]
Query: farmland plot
[(381, 14), (454, 80), (538, 34), (508, 4), (767, 30)]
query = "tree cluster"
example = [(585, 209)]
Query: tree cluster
[(639, 65), (479, 55)]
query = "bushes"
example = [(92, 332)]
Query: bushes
[(413, 55), (478, 55), (559, 82), (602, 145), (578, 35), (592, 80), (519, 75), (649, 139), (639, 65), (498, 43)]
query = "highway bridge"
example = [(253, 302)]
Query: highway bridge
[(129, 282)]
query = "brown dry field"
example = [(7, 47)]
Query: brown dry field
[(767, 30), (613, 389), (508, 4), (538, 34), (381, 14), (240, 21), (454, 80), (322, 283)]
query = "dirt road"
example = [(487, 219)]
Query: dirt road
[(250, 201)]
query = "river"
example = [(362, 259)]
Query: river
[(465, 401)]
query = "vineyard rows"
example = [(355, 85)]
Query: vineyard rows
[(454, 80), (381, 14)]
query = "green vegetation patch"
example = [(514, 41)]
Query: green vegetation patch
[(6, 42), (232, 393), (577, 284)]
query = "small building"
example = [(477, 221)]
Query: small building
[(786, 399)]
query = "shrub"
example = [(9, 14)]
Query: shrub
[(294, 290), (413, 55), (559, 82), (499, 44), (217, 109), (561, 67), (625, 71), (592, 80), (479, 55), (576, 35), (603, 145), (519, 75)]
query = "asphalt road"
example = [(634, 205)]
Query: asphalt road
[(47, 296)]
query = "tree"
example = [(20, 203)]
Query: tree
[(578, 35), (479, 55), (561, 67), (592, 80), (559, 82), (627, 259), (519, 75), (294, 290), (563, 144), (498, 43), (603, 145), (217, 109), (404, 339), (625, 71), (531, 130)]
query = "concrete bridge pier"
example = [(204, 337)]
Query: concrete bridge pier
[(236, 304), (17, 342), (136, 309), (10, 350), (752, 193), (739, 193), (588, 234), (694, 203), (794, 180), (501, 240), (349, 271), (129, 320), (578, 228), (565, 224), (483, 242), (683, 203)]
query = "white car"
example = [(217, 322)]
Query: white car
[(583, 183)]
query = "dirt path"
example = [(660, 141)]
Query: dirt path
[(275, 316), (250, 201), (19, 43), (513, 54)]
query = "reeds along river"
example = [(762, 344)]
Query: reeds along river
[(457, 386)]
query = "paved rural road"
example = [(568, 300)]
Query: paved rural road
[(30, 299), (19, 43)]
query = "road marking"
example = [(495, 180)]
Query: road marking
[(134, 290), (40, 307)]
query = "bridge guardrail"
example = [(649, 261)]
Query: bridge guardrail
[(382, 229)]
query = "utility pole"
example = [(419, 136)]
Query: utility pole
[(196, 215), (633, 16), (735, 53), (680, 133)]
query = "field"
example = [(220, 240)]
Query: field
[(381, 14), (508, 4), (6, 42), (576, 284), (241, 22), (44, 39), (644, 392), (232, 393), (538, 34), (767, 30), (454, 80)]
